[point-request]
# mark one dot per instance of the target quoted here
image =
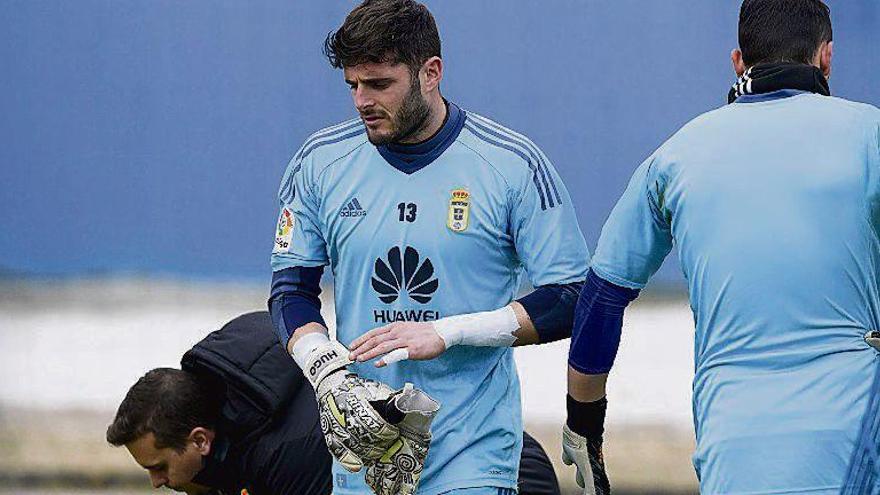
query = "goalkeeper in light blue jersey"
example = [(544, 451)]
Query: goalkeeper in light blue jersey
[(772, 204), (430, 218)]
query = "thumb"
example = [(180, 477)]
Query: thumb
[(566, 457)]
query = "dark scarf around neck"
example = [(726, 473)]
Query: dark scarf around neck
[(766, 78)]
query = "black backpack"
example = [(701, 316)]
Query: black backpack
[(253, 375)]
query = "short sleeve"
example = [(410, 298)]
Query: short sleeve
[(298, 237), (636, 237), (545, 230)]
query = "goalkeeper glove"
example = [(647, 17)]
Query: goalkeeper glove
[(582, 445), (354, 430), (398, 471)]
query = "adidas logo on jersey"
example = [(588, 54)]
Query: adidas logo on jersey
[(352, 209)]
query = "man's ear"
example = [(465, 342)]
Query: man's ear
[(202, 438), (826, 51), (736, 57), (432, 71)]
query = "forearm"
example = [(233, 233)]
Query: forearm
[(542, 316), (294, 303), (586, 388), (598, 323), (526, 334), (548, 313)]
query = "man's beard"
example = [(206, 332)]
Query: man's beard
[(411, 118)]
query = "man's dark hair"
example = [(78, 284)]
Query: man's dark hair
[(168, 403), (377, 31), (782, 30)]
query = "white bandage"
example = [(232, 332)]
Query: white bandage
[(486, 329), (306, 345), (396, 355)]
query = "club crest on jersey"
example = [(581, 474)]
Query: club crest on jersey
[(459, 210), (284, 232)]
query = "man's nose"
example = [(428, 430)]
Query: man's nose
[(362, 99), (157, 480)]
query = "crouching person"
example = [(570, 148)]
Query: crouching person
[(239, 419)]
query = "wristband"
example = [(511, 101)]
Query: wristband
[(306, 345), (486, 329), (587, 419)]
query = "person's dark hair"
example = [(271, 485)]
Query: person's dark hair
[(782, 30), (377, 31), (168, 403)]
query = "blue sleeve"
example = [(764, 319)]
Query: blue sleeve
[(544, 227), (598, 321), (637, 235), (299, 240), (294, 300), (551, 309)]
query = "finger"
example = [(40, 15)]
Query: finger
[(394, 356), (371, 344), (367, 336), (346, 458), (380, 348), (579, 479)]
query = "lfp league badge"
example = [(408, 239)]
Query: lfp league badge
[(284, 233), (459, 210)]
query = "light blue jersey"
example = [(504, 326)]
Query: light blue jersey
[(455, 236), (773, 206)]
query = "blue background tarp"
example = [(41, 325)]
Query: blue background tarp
[(150, 137)]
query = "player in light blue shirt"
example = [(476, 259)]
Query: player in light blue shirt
[(772, 204), (430, 218)]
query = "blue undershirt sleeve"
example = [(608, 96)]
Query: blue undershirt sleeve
[(551, 309), (598, 321), (294, 299)]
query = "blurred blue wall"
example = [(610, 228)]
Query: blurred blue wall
[(148, 137)]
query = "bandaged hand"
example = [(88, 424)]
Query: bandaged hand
[(398, 471), (398, 341), (355, 432), (427, 340)]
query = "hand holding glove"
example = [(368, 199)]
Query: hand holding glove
[(355, 432), (398, 471)]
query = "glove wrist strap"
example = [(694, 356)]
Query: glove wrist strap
[(318, 357), (586, 418)]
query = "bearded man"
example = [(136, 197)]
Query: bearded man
[(430, 216)]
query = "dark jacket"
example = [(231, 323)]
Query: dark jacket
[(268, 437), (536, 474)]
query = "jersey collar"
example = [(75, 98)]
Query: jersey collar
[(773, 95), (410, 158)]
